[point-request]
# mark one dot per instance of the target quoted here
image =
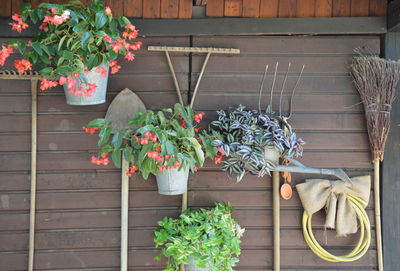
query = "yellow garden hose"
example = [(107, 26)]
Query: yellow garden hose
[(362, 245)]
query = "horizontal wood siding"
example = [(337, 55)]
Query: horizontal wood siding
[(327, 116), (83, 207), (303, 8), (169, 9), (78, 216)]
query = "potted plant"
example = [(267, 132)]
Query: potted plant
[(164, 143), (252, 141), (75, 46), (204, 239)]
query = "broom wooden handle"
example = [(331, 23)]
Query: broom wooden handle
[(378, 214)]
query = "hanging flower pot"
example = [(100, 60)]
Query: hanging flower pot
[(91, 92), (272, 154), (172, 181), (73, 40), (202, 239), (191, 266), (166, 144), (252, 141)]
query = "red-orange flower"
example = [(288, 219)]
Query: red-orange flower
[(218, 159), (108, 10), (19, 25), (22, 65), (5, 52), (130, 56), (101, 161), (90, 130), (101, 70), (114, 66), (46, 84), (198, 117)]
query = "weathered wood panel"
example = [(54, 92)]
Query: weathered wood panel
[(390, 173), (269, 8), (323, 8), (151, 9), (233, 8), (251, 8), (215, 8), (169, 8), (133, 8), (305, 8), (79, 203), (230, 8), (230, 80)]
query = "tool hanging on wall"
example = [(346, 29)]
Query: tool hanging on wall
[(376, 80), (286, 189), (123, 108), (296, 165), (198, 50), (33, 77), (344, 203)]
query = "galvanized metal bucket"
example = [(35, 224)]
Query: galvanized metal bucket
[(272, 154), (173, 181), (98, 97), (192, 267)]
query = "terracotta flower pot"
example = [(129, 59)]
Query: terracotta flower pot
[(173, 181), (99, 96)]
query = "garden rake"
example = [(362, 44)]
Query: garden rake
[(297, 166), (202, 50), (33, 77)]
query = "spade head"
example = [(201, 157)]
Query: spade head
[(123, 108)]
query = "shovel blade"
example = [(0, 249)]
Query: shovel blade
[(123, 108)]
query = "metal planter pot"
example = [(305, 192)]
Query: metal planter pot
[(98, 97), (192, 267), (272, 154), (173, 181)]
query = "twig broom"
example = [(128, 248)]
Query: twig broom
[(376, 79)]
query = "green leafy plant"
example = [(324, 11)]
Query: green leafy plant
[(73, 38), (243, 135), (165, 139), (210, 236)]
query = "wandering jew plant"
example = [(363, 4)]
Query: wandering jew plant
[(244, 136), (73, 38)]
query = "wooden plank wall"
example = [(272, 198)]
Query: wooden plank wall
[(172, 9), (327, 115), (295, 8), (166, 9), (79, 203)]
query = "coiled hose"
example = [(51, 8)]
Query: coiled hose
[(362, 245)]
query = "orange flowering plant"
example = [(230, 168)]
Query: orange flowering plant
[(73, 38), (164, 140)]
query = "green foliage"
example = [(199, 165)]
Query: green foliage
[(211, 236), (74, 45), (156, 140)]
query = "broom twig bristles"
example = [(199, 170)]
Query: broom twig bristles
[(376, 79)]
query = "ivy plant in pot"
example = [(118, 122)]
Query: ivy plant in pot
[(165, 144), (75, 46), (252, 142), (204, 239)]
